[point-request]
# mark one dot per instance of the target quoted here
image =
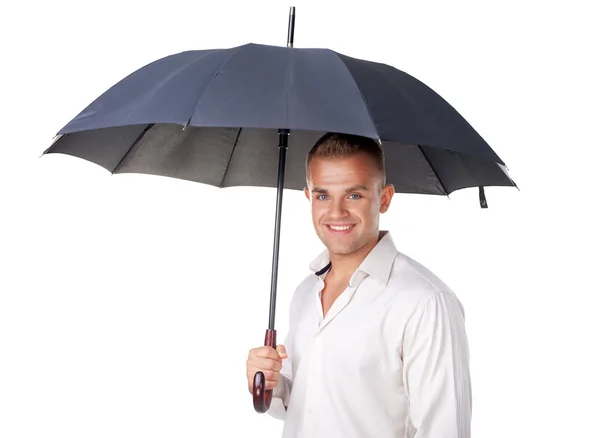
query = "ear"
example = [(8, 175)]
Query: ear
[(307, 193), (387, 192)]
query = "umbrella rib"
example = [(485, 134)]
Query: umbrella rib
[(55, 141), (433, 170), (135, 143), (230, 156), (361, 95), (210, 83)]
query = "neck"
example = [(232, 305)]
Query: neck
[(344, 265)]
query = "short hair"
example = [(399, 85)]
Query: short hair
[(336, 145)]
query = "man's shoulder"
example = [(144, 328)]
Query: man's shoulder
[(413, 277), (415, 287)]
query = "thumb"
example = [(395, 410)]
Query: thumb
[(281, 350)]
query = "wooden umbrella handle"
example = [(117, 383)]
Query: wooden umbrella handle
[(261, 397)]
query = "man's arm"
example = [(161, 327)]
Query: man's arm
[(436, 369)]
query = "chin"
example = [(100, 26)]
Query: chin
[(341, 248)]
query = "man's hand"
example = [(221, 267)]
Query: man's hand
[(267, 360)]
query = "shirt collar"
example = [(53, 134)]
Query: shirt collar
[(377, 264)]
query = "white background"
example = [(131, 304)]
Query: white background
[(128, 303)]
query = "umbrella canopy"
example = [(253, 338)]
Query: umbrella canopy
[(212, 116), (216, 116)]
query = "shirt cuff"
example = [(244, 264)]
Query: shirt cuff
[(280, 398)]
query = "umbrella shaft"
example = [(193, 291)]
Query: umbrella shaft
[(283, 144)]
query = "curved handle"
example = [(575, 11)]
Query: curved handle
[(260, 397)]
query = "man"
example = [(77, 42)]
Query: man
[(376, 344)]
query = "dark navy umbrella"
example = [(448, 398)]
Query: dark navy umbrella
[(217, 116)]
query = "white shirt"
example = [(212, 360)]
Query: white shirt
[(390, 359)]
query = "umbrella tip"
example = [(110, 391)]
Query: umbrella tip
[(291, 26)]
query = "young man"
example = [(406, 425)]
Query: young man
[(376, 344)]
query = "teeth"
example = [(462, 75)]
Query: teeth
[(344, 228)]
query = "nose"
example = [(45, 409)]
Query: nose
[(337, 209)]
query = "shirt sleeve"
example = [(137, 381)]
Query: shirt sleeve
[(436, 369), (281, 393)]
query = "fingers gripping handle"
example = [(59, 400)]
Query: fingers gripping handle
[(261, 397)]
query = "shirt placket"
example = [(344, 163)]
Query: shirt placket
[(314, 386), (313, 378)]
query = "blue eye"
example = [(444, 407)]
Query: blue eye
[(356, 196), (321, 197)]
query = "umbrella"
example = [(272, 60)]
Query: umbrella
[(215, 116)]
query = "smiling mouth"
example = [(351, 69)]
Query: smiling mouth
[(340, 229)]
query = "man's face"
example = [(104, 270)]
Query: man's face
[(346, 202)]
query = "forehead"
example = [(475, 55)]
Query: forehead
[(356, 169)]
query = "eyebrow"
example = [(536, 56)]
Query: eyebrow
[(355, 188)]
